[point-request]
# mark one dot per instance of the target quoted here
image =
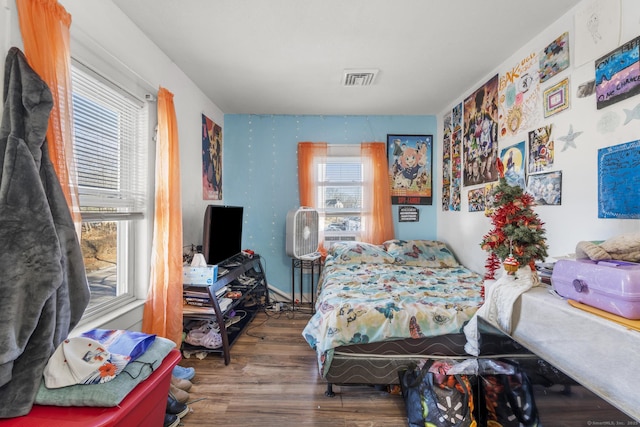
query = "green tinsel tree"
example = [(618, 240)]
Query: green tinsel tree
[(517, 229)]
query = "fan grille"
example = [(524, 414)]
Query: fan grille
[(302, 232)]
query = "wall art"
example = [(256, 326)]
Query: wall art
[(618, 74), (211, 160), (554, 58), (513, 159), (519, 102), (410, 169), (480, 138), (618, 181), (476, 200), (541, 149), (546, 187), (556, 98), (596, 30)]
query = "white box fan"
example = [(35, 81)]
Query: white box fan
[(302, 232)]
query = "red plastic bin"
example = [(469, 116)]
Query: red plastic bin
[(145, 406)]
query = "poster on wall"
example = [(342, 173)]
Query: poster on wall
[(541, 149), (490, 198), (476, 200), (456, 169), (480, 138), (514, 165), (546, 188), (446, 161), (211, 160), (596, 29), (519, 97), (554, 58), (618, 181), (618, 74), (410, 169)]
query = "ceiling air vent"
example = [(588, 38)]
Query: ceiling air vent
[(359, 77)]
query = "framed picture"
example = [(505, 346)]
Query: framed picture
[(546, 188), (410, 169), (556, 98)]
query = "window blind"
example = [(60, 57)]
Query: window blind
[(110, 128)]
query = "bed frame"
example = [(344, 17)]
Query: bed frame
[(380, 363)]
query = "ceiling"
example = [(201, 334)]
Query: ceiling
[(289, 56)]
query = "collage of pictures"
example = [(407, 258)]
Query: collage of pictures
[(514, 104), (506, 105)]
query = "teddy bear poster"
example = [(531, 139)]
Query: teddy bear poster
[(410, 169)]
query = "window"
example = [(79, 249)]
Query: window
[(340, 194), (349, 186), (111, 141)]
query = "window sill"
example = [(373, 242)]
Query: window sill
[(124, 317)]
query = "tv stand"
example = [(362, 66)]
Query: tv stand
[(238, 273)]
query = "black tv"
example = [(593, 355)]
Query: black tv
[(222, 233)]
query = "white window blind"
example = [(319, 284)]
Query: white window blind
[(111, 154), (340, 182)]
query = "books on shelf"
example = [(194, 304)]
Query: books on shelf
[(198, 308)]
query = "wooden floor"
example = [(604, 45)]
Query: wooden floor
[(273, 380)]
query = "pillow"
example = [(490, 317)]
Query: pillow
[(111, 393), (359, 253), (422, 253)]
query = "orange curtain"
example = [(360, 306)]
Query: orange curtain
[(309, 155), (163, 308), (44, 25), (379, 219)]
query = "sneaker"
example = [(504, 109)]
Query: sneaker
[(176, 408), (171, 420), (178, 394), (237, 316), (183, 373), (180, 383)]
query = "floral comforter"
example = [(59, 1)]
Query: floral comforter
[(370, 302)]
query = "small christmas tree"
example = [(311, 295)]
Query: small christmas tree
[(518, 233)]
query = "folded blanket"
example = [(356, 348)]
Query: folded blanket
[(625, 247), (498, 306)]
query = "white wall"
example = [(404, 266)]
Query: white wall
[(577, 218)]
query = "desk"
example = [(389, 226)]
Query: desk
[(310, 264)]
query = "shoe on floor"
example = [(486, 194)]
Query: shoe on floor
[(180, 383), (183, 373), (176, 408), (178, 394), (171, 420)]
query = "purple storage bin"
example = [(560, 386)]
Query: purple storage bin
[(612, 286)]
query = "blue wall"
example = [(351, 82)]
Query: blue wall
[(260, 174)]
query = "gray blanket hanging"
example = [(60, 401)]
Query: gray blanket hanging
[(43, 285)]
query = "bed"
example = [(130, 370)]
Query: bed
[(379, 307)]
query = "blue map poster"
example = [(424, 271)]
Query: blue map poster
[(618, 181)]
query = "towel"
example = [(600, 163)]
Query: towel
[(498, 306)]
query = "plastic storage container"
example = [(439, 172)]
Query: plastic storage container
[(612, 286)]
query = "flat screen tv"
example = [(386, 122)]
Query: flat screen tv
[(222, 233)]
